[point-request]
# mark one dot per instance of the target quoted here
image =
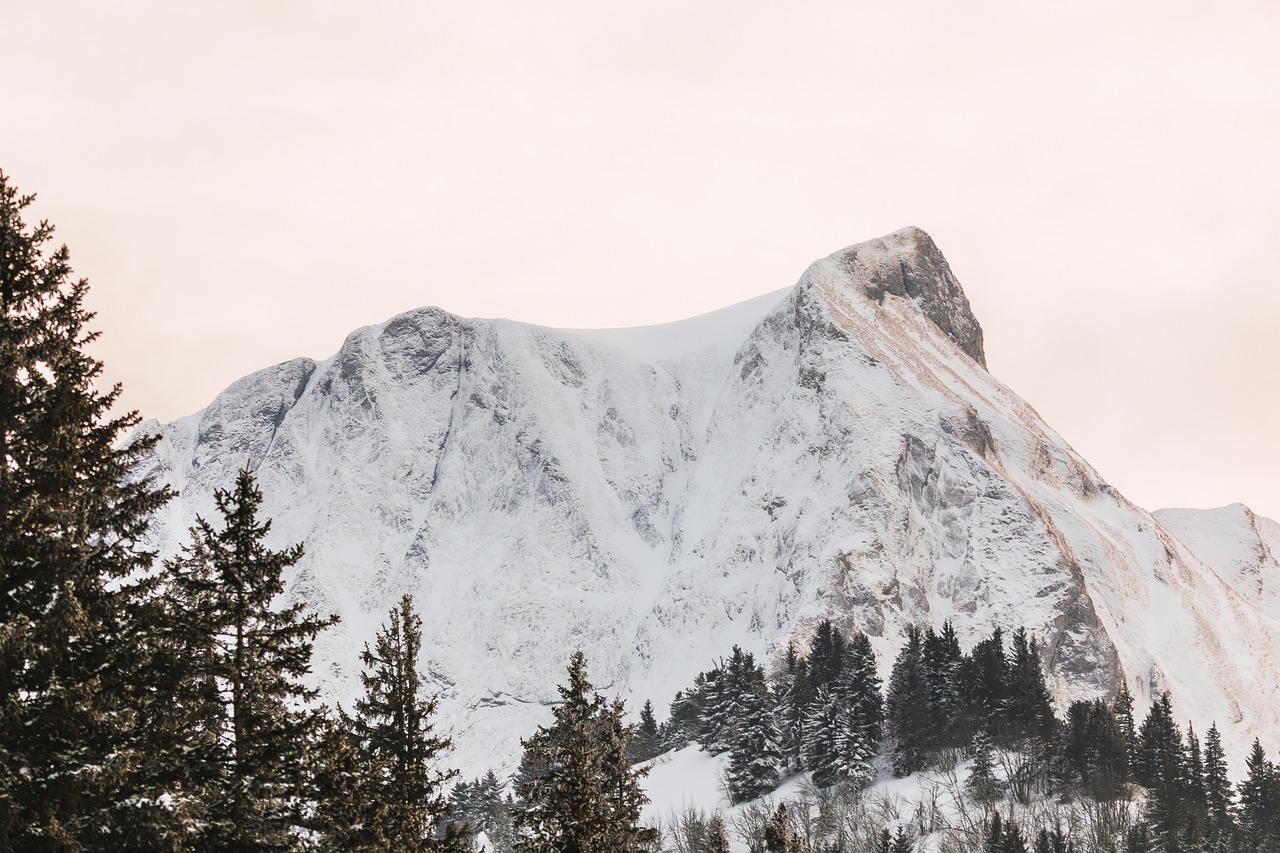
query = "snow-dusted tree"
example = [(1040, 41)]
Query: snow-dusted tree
[(1028, 710), (257, 788), (393, 726), (791, 687), (76, 768), (982, 783), (756, 753), (717, 839), (859, 689), (578, 791), (823, 722)]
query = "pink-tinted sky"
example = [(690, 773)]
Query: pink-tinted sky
[(244, 182)]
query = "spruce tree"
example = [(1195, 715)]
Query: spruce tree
[(76, 771), (791, 690), (255, 659), (394, 729), (756, 754), (1219, 824), (644, 744), (1028, 710), (1259, 807), (907, 708), (859, 688), (982, 783), (578, 792)]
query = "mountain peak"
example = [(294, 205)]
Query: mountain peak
[(907, 263)]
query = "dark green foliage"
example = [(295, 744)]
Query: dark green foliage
[(859, 689), (901, 841), (578, 791), (78, 766), (393, 729), (942, 660), (480, 806), (1217, 789), (1093, 750), (1259, 808), (826, 655), (907, 708), (252, 658), (1160, 766), (645, 742), (1028, 710)]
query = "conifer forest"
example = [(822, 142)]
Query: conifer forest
[(154, 704)]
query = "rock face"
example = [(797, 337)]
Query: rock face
[(652, 496)]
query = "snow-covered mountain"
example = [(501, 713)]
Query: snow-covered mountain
[(654, 495)]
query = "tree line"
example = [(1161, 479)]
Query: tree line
[(824, 712)]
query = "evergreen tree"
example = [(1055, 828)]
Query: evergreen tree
[(982, 783), (76, 754), (1122, 709), (902, 841), (779, 836), (907, 708), (1194, 795), (822, 727), (717, 839), (942, 671), (1219, 825), (393, 726), (256, 660), (644, 744), (859, 689), (579, 793), (756, 754), (985, 683), (1028, 709), (1161, 763), (792, 690), (1259, 808), (826, 655)]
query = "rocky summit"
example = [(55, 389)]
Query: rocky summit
[(653, 496)]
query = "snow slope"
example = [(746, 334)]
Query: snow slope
[(1237, 544), (653, 496)]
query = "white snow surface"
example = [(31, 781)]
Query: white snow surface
[(654, 496)]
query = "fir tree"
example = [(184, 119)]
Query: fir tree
[(1122, 708), (982, 783), (644, 743), (1259, 808), (859, 689), (823, 721), (792, 690), (579, 794), (907, 708), (985, 682), (942, 670), (756, 754), (393, 726), (255, 660), (826, 655), (1028, 709), (1218, 821), (77, 768)]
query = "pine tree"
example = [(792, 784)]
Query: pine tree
[(393, 726), (1219, 825), (985, 680), (579, 793), (826, 655), (75, 754), (1194, 796), (823, 721), (907, 708), (255, 658), (1161, 763)]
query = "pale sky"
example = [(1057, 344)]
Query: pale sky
[(246, 182)]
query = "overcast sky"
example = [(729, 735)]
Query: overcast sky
[(243, 183)]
